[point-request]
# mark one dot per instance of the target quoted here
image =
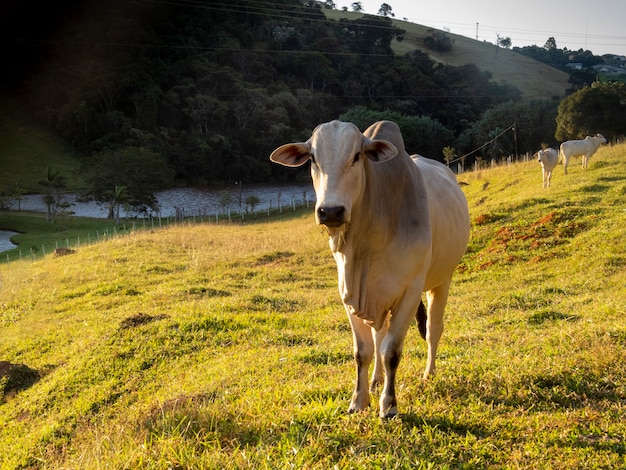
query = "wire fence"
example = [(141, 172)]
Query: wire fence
[(183, 216), (126, 226)]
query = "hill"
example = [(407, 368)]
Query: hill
[(225, 346), (27, 149), (534, 79), (214, 87)]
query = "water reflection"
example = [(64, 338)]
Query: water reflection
[(196, 201)]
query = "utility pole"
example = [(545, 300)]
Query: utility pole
[(477, 30), (497, 43), (515, 138)]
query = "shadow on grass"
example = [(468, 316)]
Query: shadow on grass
[(14, 378), (595, 188), (317, 358), (566, 390), (547, 390), (548, 315), (188, 418), (610, 179), (443, 424)]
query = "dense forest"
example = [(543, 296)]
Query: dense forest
[(212, 87)]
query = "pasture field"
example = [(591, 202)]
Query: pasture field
[(225, 346)]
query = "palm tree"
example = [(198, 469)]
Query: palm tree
[(53, 185), (119, 197)]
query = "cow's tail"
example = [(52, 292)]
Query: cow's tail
[(421, 319)]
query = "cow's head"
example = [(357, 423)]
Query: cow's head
[(337, 151), (540, 155)]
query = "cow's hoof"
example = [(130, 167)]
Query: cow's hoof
[(389, 414), (354, 409)]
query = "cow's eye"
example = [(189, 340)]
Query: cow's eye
[(313, 162), (357, 157)]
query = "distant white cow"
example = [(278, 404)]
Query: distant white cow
[(548, 158), (586, 147)]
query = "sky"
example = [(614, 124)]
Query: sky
[(596, 25)]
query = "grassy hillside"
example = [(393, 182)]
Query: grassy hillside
[(27, 149), (226, 346), (534, 79)]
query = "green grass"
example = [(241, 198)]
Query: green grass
[(226, 346), (36, 236)]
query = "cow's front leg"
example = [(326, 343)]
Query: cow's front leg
[(391, 359), (363, 352), (391, 352)]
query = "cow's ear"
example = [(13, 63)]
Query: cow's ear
[(379, 150), (291, 154)]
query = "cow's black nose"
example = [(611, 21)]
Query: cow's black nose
[(331, 216)]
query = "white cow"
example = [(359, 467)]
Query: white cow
[(548, 158), (585, 147), (398, 227)]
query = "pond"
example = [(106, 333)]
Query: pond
[(5, 240), (195, 201)]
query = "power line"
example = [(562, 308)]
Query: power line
[(512, 126)]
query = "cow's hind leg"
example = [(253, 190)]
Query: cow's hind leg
[(437, 299), (421, 317), (363, 343)]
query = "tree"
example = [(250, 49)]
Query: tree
[(600, 107), (534, 124), (371, 34), (449, 154), (386, 10), (53, 184), (357, 7), (252, 201), (438, 41), (127, 176), (120, 196), (504, 42), (581, 78), (422, 134), (550, 44), (225, 200)]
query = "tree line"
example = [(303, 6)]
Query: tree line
[(202, 92)]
